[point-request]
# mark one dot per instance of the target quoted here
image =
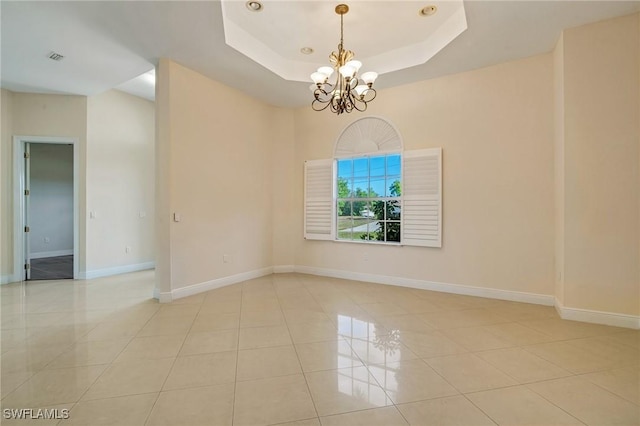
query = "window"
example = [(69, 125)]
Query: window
[(374, 191), (368, 202)]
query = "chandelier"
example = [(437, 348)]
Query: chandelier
[(347, 91)]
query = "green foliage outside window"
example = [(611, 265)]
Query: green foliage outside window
[(388, 210), (367, 208)]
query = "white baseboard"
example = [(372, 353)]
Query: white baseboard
[(6, 279), (179, 293), (162, 297), (598, 317), (54, 253), (492, 293), (283, 269), (106, 272), (575, 314)]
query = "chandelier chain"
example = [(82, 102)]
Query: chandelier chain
[(347, 92)]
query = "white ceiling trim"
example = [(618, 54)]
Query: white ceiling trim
[(406, 38), (420, 53)]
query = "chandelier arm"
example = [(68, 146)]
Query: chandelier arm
[(368, 98), (316, 102), (326, 89), (322, 101), (360, 105), (320, 92)]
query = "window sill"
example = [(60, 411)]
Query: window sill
[(369, 243)]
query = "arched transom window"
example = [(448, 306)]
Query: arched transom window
[(369, 182)]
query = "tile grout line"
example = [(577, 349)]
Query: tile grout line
[(147, 418), (481, 410), (111, 363), (553, 403), (571, 373), (304, 376), (56, 357), (365, 365), (454, 387), (526, 385), (605, 389), (616, 365), (235, 378)]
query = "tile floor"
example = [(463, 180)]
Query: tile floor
[(307, 350)]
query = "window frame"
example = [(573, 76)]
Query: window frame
[(336, 215), (421, 218)]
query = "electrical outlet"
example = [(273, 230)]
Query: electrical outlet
[(226, 258), (127, 249), (143, 214), (47, 240)]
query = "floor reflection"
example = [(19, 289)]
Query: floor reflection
[(375, 346), (358, 383)]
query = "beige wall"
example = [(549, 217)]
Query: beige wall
[(6, 179), (49, 115), (601, 167), (218, 177), (284, 183), (163, 178), (541, 173), (116, 138), (120, 180), (558, 110), (496, 129)]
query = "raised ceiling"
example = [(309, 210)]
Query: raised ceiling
[(386, 36), (108, 43)]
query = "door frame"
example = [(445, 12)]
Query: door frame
[(19, 202)]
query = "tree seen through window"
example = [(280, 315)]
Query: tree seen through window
[(369, 198)]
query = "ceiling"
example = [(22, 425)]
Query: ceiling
[(382, 44), (107, 44)]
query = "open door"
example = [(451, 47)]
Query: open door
[(46, 208), (27, 186)]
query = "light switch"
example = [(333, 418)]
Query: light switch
[(143, 214), (92, 215), (176, 217)]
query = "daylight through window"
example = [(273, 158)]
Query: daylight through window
[(369, 203)]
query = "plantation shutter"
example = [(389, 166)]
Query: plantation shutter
[(422, 198), (318, 200)]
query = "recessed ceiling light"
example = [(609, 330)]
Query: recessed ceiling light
[(428, 10), (254, 6), (55, 56), (306, 50)]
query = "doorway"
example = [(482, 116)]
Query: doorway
[(46, 213)]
